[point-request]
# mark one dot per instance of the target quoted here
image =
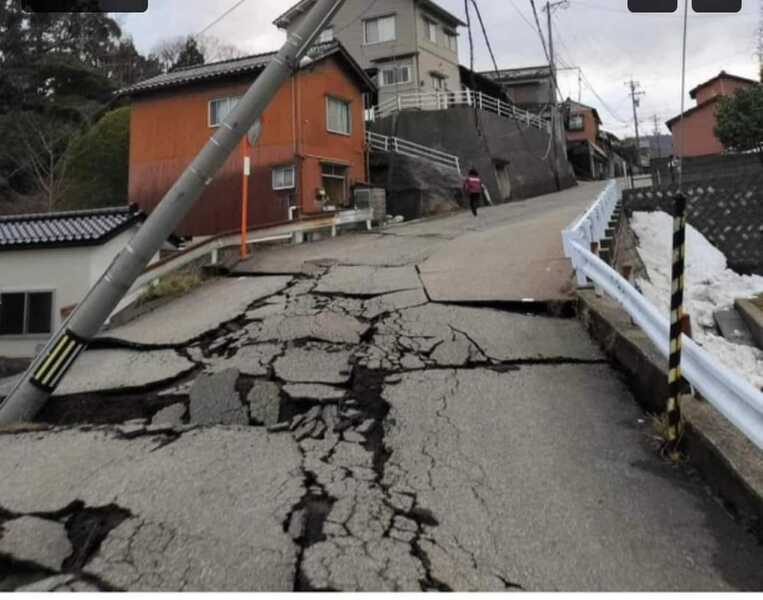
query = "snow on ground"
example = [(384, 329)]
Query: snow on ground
[(711, 286)]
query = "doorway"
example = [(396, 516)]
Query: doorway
[(504, 179), (334, 180)]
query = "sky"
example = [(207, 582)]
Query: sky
[(610, 45)]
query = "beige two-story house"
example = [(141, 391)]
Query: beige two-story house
[(407, 45)]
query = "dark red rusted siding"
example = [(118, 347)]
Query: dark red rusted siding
[(168, 129)]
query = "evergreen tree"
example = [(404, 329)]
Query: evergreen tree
[(739, 120), (190, 55)]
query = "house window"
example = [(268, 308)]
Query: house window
[(327, 35), (431, 27), (334, 180), (438, 82), (451, 40), (26, 313), (284, 178), (338, 116), (395, 74), (381, 29), (577, 123), (219, 108)]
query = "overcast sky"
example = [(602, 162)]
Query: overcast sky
[(610, 44)]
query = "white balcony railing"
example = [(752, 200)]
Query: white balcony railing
[(445, 100), (383, 143)]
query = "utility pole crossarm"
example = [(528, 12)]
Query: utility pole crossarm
[(51, 365)]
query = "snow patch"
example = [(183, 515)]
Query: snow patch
[(711, 286)]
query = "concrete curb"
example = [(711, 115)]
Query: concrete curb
[(729, 463)]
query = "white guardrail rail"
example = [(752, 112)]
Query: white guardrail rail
[(739, 401)]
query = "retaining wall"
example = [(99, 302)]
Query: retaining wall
[(728, 211), (525, 150)]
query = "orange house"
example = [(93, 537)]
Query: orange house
[(698, 125), (310, 151)]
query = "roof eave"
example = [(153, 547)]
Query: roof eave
[(454, 20)]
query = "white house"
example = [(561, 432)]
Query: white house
[(48, 263)]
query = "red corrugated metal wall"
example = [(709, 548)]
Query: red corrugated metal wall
[(168, 129)]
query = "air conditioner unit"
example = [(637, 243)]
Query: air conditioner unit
[(374, 198)]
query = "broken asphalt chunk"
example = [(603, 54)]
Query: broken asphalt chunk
[(215, 400), (34, 540), (265, 403)]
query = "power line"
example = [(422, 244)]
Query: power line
[(487, 38), (221, 17)]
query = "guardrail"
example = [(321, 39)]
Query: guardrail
[(739, 401), (385, 143), (445, 100), (212, 246)]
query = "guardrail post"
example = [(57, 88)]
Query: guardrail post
[(675, 380)]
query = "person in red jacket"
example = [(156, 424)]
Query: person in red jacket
[(473, 187)]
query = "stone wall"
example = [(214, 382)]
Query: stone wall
[(498, 141), (728, 211)]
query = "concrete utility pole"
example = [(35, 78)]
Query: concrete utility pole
[(635, 94), (552, 66), (48, 369), (656, 133)]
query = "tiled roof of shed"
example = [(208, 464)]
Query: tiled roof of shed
[(77, 228), (253, 65)]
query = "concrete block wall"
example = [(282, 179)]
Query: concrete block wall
[(498, 139), (699, 168), (728, 211)]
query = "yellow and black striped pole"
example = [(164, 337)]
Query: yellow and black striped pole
[(675, 380)]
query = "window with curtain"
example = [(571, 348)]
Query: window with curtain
[(338, 118), (219, 108), (451, 40), (381, 29), (284, 178), (431, 27), (395, 74)]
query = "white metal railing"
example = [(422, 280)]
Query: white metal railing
[(445, 100), (739, 401), (384, 143)]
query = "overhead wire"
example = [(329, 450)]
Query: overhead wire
[(497, 73), (221, 17)]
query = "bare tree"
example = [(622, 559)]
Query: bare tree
[(214, 49), (169, 50), (45, 150)]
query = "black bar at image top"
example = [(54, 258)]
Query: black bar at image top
[(115, 6), (717, 6), (653, 6)]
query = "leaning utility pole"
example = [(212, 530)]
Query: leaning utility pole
[(48, 369), (636, 92)]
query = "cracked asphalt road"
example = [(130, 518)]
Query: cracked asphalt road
[(393, 442)]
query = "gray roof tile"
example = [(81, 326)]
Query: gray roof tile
[(78, 228)]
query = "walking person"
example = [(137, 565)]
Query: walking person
[(473, 188)]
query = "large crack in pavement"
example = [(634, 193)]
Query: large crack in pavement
[(324, 368)]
